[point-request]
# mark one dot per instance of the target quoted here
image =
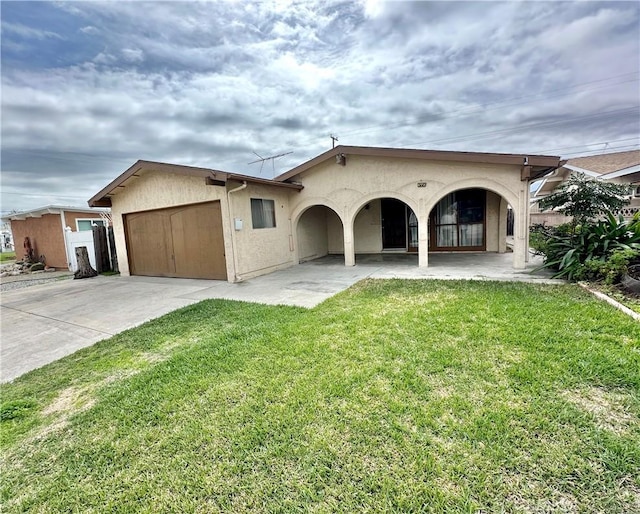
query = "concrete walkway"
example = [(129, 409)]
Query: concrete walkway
[(45, 322)]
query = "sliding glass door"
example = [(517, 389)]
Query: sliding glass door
[(458, 221)]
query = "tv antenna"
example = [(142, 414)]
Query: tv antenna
[(272, 158), (333, 140)]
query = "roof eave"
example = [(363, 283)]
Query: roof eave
[(103, 197), (537, 162)]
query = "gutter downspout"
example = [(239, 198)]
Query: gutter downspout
[(233, 230)]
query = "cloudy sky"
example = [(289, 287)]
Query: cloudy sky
[(90, 87)]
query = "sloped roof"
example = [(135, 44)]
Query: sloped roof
[(539, 164), (217, 177), (49, 209), (606, 163)]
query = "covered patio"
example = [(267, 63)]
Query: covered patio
[(458, 265)]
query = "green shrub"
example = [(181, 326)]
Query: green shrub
[(567, 254), (609, 271), (540, 235)]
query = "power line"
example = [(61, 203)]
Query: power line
[(482, 135), (587, 144), (602, 152), (498, 105)]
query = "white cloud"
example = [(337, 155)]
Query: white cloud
[(29, 32), (208, 83)]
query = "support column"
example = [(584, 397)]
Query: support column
[(423, 241), (349, 247), (502, 226), (520, 233)]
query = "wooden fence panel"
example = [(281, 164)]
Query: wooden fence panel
[(112, 249), (101, 249)]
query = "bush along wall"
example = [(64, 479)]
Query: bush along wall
[(597, 251)]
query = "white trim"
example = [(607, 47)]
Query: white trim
[(621, 173), (49, 209)]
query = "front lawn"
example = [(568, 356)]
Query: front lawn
[(401, 396)]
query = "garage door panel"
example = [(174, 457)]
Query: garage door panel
[(150, 244), (197, 242), (184, 242)]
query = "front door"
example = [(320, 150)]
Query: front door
[(394, 224), (399, 226)]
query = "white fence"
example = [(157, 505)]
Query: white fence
[(76, 239)]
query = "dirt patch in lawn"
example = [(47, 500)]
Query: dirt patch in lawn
[(606, 406)]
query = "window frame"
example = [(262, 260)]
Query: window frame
[(265, 215), (92, 220)]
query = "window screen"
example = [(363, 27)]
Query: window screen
[(263, 213)]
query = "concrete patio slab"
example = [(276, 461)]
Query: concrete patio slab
[(45, 322)]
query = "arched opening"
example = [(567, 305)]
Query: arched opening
[(319, 232), (469, 220), (385, 225)]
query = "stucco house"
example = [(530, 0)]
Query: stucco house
[(618, 167), (182, 221), (47, 228)]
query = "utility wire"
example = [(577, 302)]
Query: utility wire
[(487, 107), (587, 144), (482, 135)]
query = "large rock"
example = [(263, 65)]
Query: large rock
[(631, 280)]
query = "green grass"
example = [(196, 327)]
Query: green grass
[(7, 256), (394, 396)]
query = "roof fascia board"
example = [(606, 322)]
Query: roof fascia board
[(621, 173), (48, 209), (582, 170), (263, 181)]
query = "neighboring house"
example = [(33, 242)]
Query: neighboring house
[(6, 241), (47, 229), (182, 221), (620, 168)]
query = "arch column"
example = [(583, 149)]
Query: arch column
[(423, 241), (520, 233), (349, 246)]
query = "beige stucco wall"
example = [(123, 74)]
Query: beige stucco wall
[(312, 232), (348, 227), (367, 228), (335, 234), (249, 252), (261, 250), (346, 189)]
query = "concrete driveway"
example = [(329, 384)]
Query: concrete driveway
[(43, 323)]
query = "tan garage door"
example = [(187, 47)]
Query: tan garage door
[(183, 242)]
